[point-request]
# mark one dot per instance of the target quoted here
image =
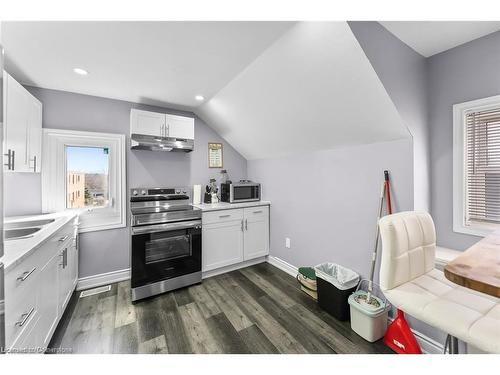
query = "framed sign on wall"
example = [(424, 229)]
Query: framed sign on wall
[(215, 155)]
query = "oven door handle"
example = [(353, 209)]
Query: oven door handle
[(166, 227)]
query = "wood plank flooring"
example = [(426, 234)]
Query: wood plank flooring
[(258, 309)]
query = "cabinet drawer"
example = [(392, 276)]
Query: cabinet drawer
[(256, 212), (222, 216), (20, 311)]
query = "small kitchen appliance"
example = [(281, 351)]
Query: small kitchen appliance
[(165, 241), (241, 191)]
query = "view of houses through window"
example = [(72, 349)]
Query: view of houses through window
[(87, 177)]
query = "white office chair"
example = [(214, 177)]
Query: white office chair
[(411, 283)]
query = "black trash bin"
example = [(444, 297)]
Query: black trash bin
[(335, 285)]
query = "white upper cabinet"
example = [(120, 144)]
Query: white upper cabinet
[(180, 127), (34, 135), (161, 124), (22, 129), (147, 123)]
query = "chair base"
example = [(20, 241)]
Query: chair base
[(399, 336)]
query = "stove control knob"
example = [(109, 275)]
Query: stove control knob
[(135, 192), (143, 192)]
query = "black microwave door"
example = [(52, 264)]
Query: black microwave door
[(245, 192), (164, 255)]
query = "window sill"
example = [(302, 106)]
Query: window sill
[(479, 230)]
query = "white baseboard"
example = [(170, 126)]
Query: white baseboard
[(103, 279), (233, 267), (282, 265)]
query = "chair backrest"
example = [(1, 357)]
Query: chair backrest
[(408, 247)]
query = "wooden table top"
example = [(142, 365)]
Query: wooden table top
[(478, 267)]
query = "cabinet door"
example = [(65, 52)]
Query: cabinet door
[(16, 126), (65, 281), (148, 123), (73, 264), (180, 127), (256, 234), (34, 134), (48, 299), (222, 244)]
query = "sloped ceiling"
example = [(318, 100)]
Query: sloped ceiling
[(312, 89), (271, 88)]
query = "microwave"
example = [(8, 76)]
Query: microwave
[(242, 191)]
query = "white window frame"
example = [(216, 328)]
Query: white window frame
[(54, 177), (460, 111)]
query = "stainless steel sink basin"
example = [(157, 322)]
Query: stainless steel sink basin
[(28, 224), (16, 234)]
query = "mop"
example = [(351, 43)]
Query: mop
[(366, 298)]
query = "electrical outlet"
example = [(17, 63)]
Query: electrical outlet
[(287, 242)]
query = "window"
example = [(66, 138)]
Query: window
[(88, 168), (85, 171), (476, 169)]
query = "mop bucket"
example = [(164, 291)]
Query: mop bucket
[(369, 320)]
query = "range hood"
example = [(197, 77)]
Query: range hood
[(154, 143)]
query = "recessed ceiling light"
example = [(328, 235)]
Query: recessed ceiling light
[(199, 98), (80, 71)]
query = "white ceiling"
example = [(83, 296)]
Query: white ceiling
[(431, 37), (312, 89), (271, 88), (159, 63)]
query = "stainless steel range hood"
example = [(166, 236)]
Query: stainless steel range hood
[(152, 143)]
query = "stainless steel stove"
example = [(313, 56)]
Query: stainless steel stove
[(165, 241)]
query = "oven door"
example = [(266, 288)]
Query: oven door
[(165, 251)]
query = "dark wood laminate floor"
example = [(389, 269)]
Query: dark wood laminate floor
[(258, 309)]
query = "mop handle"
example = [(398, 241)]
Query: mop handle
[(375, 248), (388, 190)]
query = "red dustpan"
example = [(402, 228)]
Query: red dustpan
[(399, 336)]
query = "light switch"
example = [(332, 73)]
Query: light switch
[(287, 242)]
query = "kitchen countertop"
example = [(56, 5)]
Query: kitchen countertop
[(228, 206), (15, 251)]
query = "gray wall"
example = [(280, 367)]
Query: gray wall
[(326, 201), (106, 251), (402, 71), (467, 72)]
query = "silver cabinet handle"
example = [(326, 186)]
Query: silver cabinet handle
[(34, 163), (9, 159), (242, 225), (25, 317), (257, 212), (26, 274), (246, 224), (62, 239), (223, 216), (13, 159), (64, 255), (167, 130)]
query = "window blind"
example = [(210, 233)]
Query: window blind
[(482, 158)]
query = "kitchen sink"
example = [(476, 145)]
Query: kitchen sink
[(28, 224), (15, 234)]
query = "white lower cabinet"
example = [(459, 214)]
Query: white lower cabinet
[(256, 234), (233, 236), (38, 289), (49, 299), (222, 244)]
